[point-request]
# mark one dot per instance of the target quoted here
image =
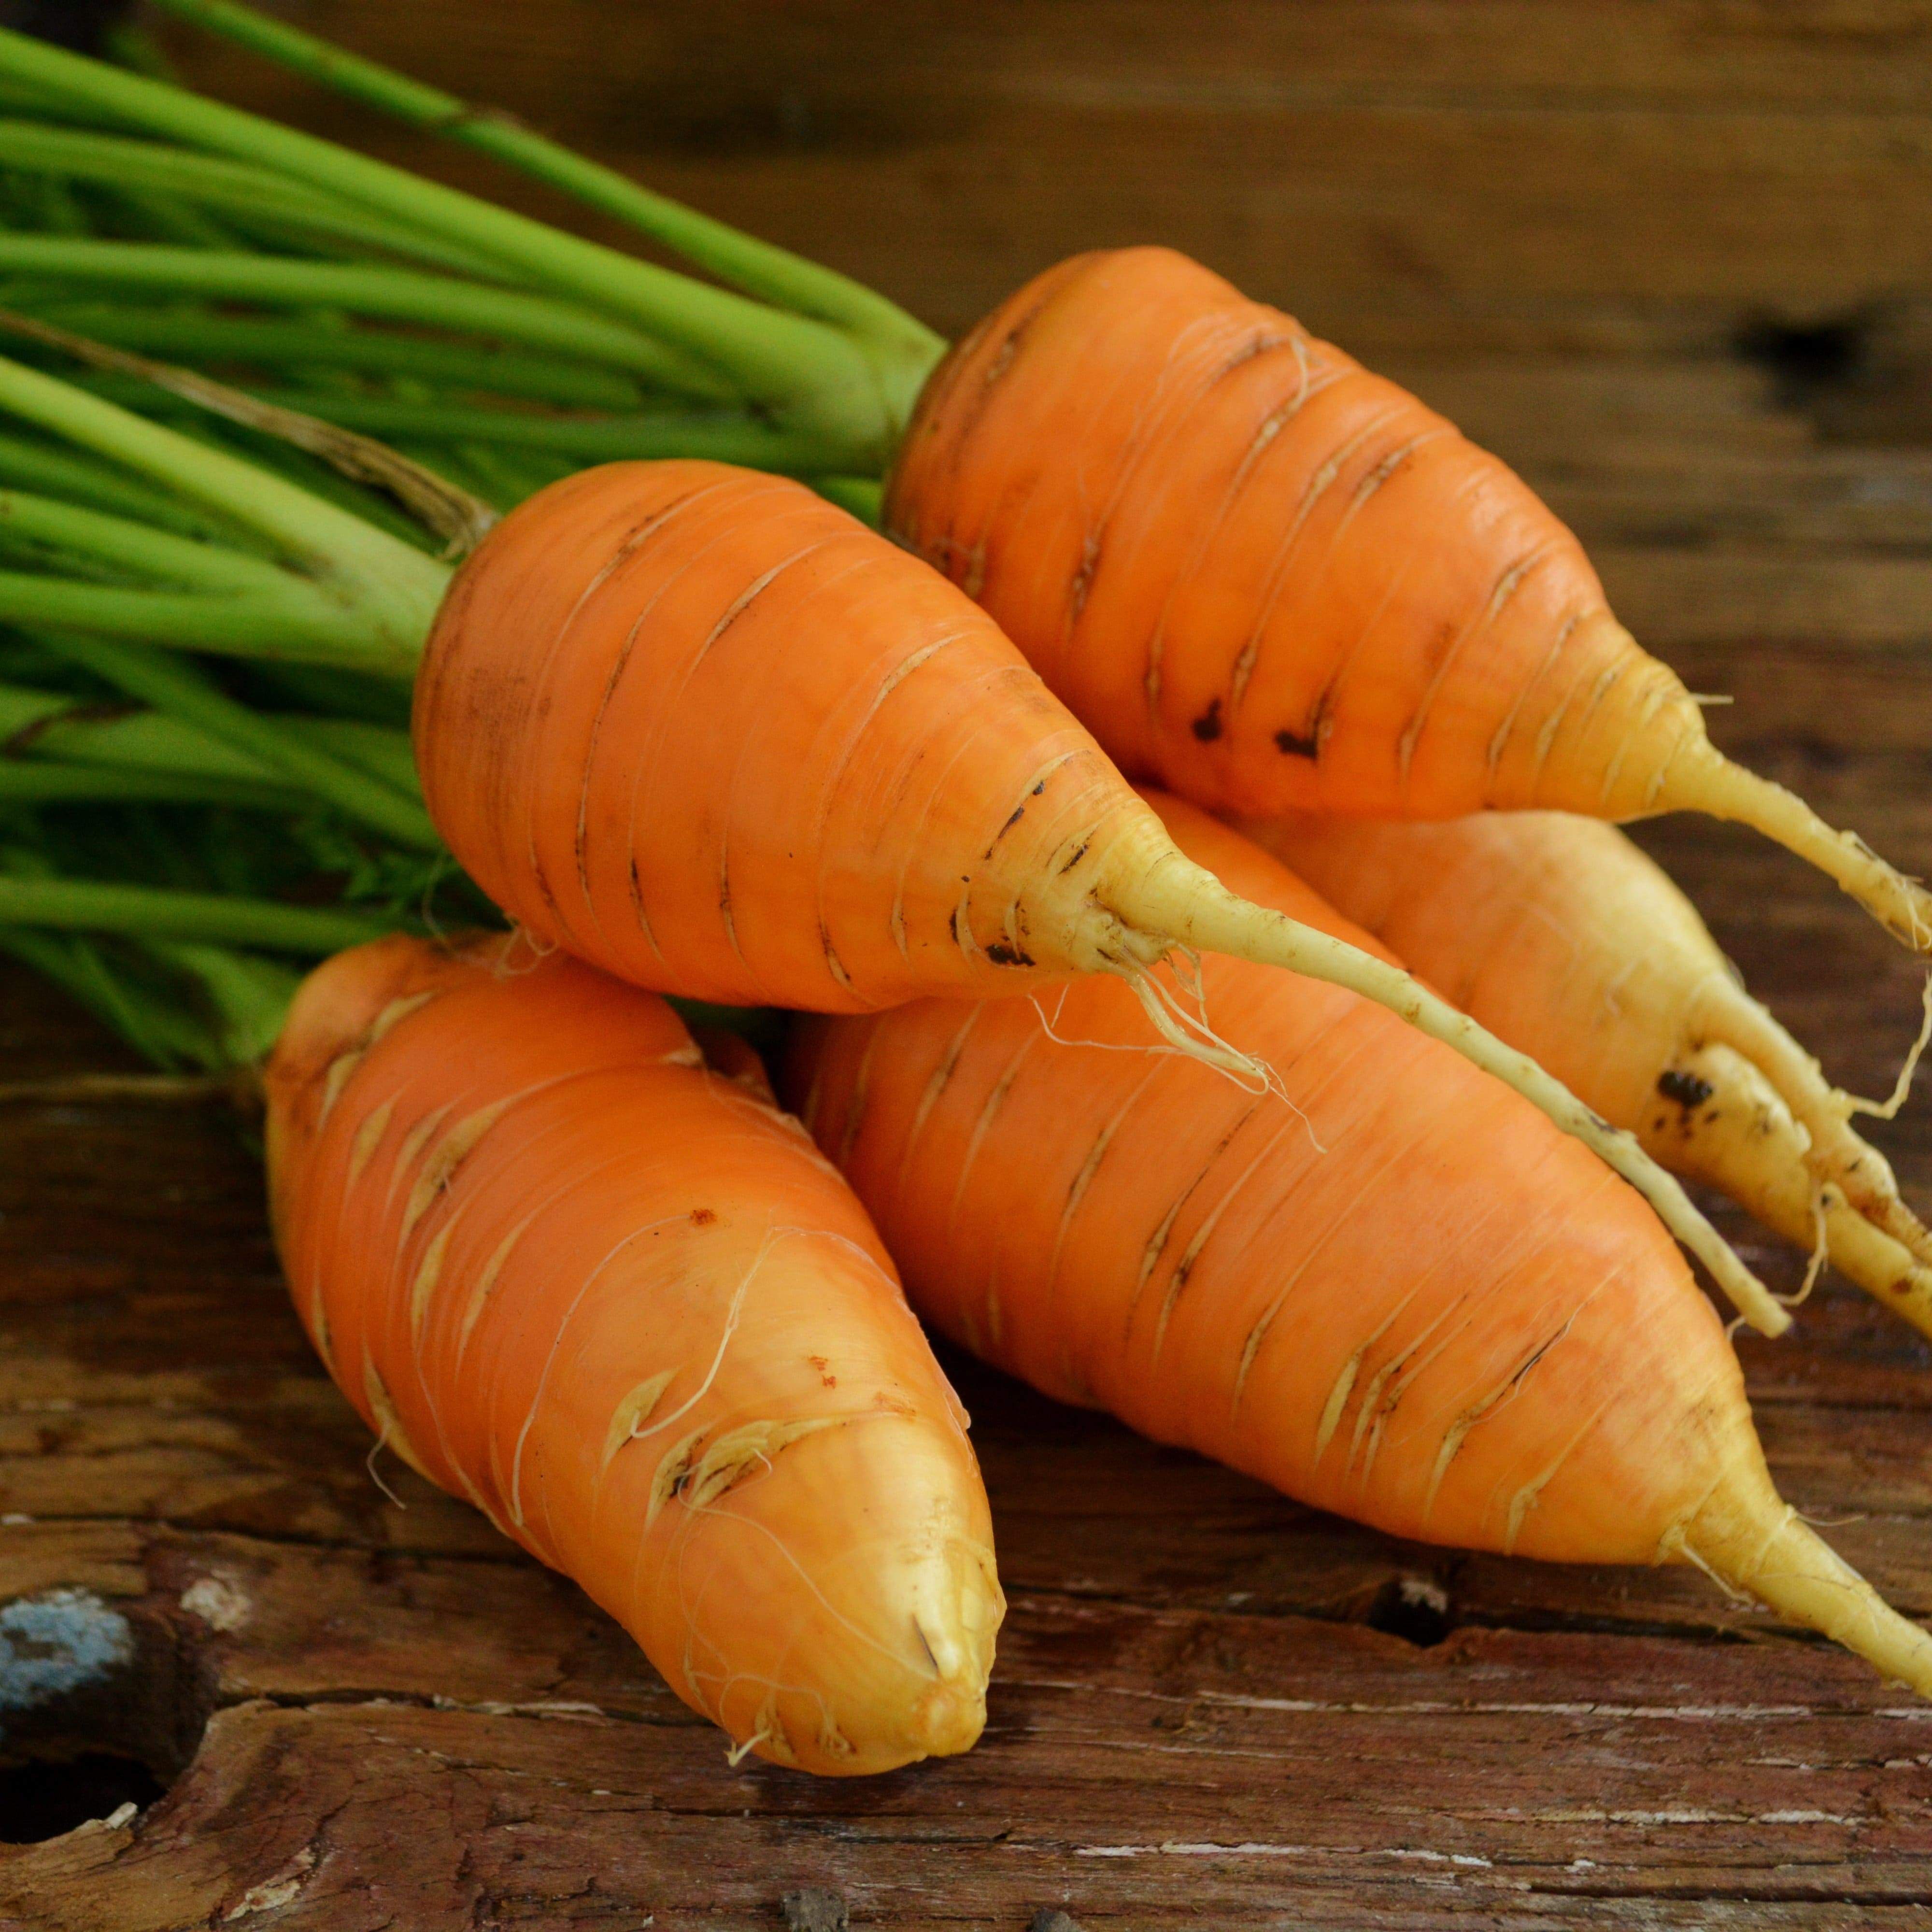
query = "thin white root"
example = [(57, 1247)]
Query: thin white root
[(1823, 1199), (1192, 1037), (1189, 902), (1702, 779), (1887, 1110)]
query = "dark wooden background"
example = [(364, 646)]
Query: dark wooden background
[(1674, 260)]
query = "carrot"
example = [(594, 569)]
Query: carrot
[(618, 1302), (1389, 1289), (903, 810), (1557, 933), (1275, 582)]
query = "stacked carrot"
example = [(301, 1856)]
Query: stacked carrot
[(1141, 1115)]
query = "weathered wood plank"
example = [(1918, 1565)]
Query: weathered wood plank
[(1397, 170), (1211, 1705)]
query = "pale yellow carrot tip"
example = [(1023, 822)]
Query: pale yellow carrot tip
[(1870, 1259), (1188, 902), (1756, 1545), (1714, 785)]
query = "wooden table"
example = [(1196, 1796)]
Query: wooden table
[(1673, 259)]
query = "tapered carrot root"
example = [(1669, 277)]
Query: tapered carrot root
[(705, 730), (618, 1302), (1388, 1287), (1561, 937), (1275, 582)]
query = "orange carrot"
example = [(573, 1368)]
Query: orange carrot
[(1275, 582), (705, 730), (1557, 933), (1389, 1288), (620, 1304)]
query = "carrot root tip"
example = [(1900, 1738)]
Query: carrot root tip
[(1711, 783), (1755, 1545)]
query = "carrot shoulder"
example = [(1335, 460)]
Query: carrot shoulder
[(621, 1305), (1275, 581), (1389, 1288)]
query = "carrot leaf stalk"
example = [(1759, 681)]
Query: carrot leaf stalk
[(174, 687), (855, 391), (158, 912), (772, 273)]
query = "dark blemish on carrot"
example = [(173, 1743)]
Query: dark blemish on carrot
[(1686, 1089), (1207, 726), (1287, 742), (1036, 790), (1019, 813), (1001, 954), (702, 1217), (959, 936), (1079, 853)]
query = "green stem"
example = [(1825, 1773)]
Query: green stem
[(248, 998), (60, 472), (807, 369), (382, 753), (42, 781), (178, 690), (204, 336), (774, 275), (148, 912), (158, 1032), (719, 437), (313, 632), (398, 294), (206, 180), (387, 592), (46, 522), (156, 216), (55, 725), (863, 496)]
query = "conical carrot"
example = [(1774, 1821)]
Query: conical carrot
[(705, 730), (620, 1304), (1389, 1288), (1277, 582), (1562, 937)]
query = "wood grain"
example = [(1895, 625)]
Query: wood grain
[(1212, 1706)]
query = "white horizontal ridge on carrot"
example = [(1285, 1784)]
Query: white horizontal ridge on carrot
[(1275, 581), (620, 1304), (1560, 935), (1386, 1285)]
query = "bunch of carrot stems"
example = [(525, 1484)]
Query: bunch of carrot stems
[(215, 595)]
